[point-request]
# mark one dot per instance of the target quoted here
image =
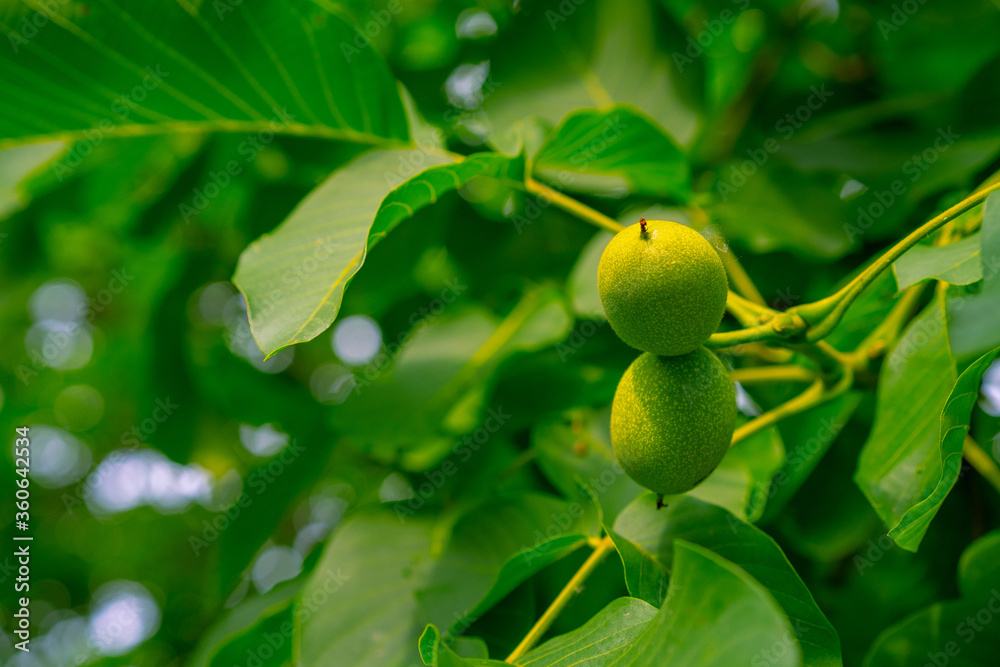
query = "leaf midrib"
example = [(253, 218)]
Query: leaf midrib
[(220, 126)]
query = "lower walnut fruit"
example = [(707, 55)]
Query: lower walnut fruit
[(672, 419)]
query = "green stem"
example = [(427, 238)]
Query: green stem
[(740, 279), (745, 311), (982, 462), (807, 399), (889, 329), (445, 398), (602, 549), (824, 315), (738, 276), (816, 394), (752, 334), (572, 206), (762, 374)]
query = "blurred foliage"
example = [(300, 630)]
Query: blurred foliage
[(440, 457)]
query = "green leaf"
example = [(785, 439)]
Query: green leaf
[(754, 463), (652, 536), (582, 284), (903, 464), (613, 153), (294, 278), (497, 547), (388, 575), (435, 653), (126, 67), (808, 436), (778, 208), (957, 263), (600, 641), (365, 585), (645, 577), (558, 58), (244, 621), (438, 383), (741, 482), (955, 419), (953, 632), (715, 613), (578, 460), (16, 168), (974, 323)]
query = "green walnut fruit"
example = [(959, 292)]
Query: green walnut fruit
[(663, 287), (672, 419)]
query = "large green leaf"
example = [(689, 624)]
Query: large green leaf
[(373, 582), (773, 207), (808, 436), (741, 483), (600, 641), (560, 57), (385, 576), (242, 625), (438, 382), (495, 548), (578, 460), (647, 540), (715, 614), (903, 469), (953, 632), (956, 263), (974, 324), (127, 67), (955, 419), (613, 152), (294, 278)]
